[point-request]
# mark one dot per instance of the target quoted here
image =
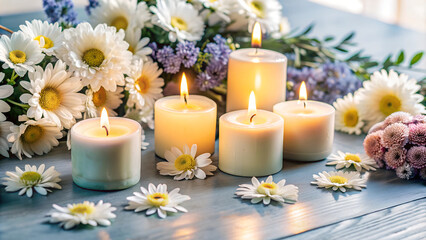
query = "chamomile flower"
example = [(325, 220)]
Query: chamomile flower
[(32, 179), (157, 200), (340, 180), (221, 10), (121, 14), (137, 45), (346, 160), (86, 213), (179, 18), (144, 84), (100, 99), (54, 95), (97, 55), (5, 92), (20, 53), (184, 165), (4, 144), (348, 118), (266, 12), (48, 35), (267, 190), (387, 93), (34, 137)]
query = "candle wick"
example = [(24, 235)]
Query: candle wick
[(304, 104), (184, 98), (256, 51), (251, 118), (106, 130)]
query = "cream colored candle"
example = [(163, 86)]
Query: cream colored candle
[(106, 162), (186, 119), (250, 142), (259, 70), (308, 130)]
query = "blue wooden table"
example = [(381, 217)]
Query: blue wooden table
[(390, 208)]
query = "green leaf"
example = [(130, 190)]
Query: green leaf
[(400, 58), (328, 38), (370, 64), (416, 58), (348, 37), (341, 49)]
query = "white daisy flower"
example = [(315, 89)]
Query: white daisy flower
[(157, 199), (340, 180), (346, 160), (54, 95), (4, 144), (283, 30), (5, 92), (144, 84), (100, 99), (179, 18), (144, 115), (267, 190), (34, 137), (48, 35), (387, 93), (137, 45), (121, 14), (98, 55), (266, 12), (348, 117), (184, 165), (32, 179), (82, 213), (221, 10), (20, 53)]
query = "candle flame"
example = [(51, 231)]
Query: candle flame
[(105, 121), (256, 36), (252, 106), (184, 88), (303, 94)]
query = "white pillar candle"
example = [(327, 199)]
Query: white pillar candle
[(250, 147), (259, 70), (104, 162), (179, 122)]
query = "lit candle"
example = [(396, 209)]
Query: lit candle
[(309, 128), (185, 119), (250, 142), (105, 153), (259, 70)]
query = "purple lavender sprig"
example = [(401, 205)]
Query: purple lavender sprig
[(60, 11), (92, 4)]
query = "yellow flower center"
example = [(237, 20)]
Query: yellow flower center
[(179, 23), (212, 1), (257, 8), (50, 99), (120, 23), (390, 104), (82, 208), (32, 134), (131, 49), (47, 42), (158, 199), (142, 84), (185, 162), (350, 117), (338, 179), (17, 56), (93, 57), (30, 177), (99, 97), (353, 157), (272, 187)]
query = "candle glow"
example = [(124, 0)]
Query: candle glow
[(104, 121), (303, 94), (256, 36), (184, 89), (252, 106)]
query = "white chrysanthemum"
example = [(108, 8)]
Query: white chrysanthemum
[(144, 115), (179, 18), (82, 213), (340, 180), (267, 190), (98, 55), (184, 165), (32, 179), (157, 199), (144, 84), (5, 92), (121, 14), (221, 10), (387, 93), (283, 30), (100, 99), (20, 53), (4, 132), (48, 35), (348, 117), (137, 45), (54, 95), (266, 12), (346, 160), (34, 137)]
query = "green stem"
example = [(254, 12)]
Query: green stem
[(25, 106), (12, 79)]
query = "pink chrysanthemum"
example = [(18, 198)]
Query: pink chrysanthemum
[(398, 117), (417, 134), (377, 127), (373, 146), (419, 119), (405, 171), (416, 156), (395, 157), (395, 135)]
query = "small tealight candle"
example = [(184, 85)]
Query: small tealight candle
[(186, 119), (250, 142), (308, 129), (106, 153)]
